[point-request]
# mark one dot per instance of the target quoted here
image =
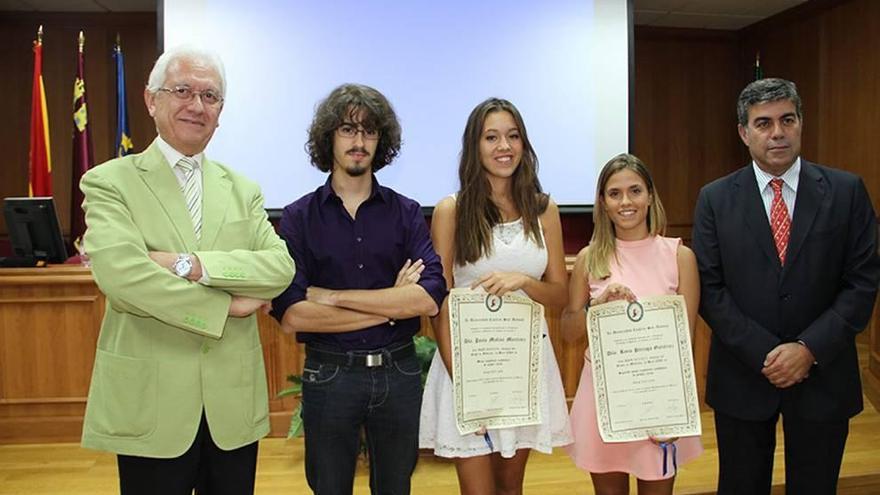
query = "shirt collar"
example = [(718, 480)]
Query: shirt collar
[(790, 176), (173, 156), (326, 191)]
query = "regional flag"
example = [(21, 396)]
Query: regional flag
[(39, 158), (123, 135), (83, 156)]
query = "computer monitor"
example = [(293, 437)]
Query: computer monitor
[(34, 230)]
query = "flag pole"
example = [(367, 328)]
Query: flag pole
[(39, 156), (83, 155)]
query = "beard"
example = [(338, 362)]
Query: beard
[(356, 169)]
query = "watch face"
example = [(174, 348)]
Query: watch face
[(183, 266)]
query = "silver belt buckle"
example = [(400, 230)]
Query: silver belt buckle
[(374, 360)]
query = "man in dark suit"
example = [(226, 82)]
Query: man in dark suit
[(787, 252)]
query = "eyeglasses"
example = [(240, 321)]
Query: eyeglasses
[(185, 93), (350, 131)]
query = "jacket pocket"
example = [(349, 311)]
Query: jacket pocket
[(123, 396), (254, 377)]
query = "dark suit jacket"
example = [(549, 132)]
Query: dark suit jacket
[(823, 296)]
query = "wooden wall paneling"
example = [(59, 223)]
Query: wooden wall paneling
[(794, 53), (849, 75), (685, 115), (16, 58), (871, 372), (17, 32)]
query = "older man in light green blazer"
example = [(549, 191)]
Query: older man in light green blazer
[(182, 249)]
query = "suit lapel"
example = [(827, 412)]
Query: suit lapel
[(215, 199), (160, 179), (811, 190), (752, 206)]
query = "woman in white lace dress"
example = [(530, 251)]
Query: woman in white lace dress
[(502, 233)]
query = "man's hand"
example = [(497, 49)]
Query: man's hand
[(242, 306), (166, 260), (788, 364), (500, 283), (321, 295), (410, 273)]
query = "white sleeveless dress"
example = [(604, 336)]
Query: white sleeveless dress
[(512, 252)]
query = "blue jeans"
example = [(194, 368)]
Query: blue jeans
[(338, 399)]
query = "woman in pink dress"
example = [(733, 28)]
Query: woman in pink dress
[(627, 258)]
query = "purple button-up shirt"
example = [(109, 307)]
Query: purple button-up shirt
[(335, 251)]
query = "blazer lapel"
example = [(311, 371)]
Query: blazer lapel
[(752, 206), (216, 188), (160, 179), (811, 191)]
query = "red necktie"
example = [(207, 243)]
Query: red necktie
[(780, 224)]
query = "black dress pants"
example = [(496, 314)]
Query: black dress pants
[(813, 453), (203, 467)]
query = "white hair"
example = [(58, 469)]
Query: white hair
[(178, 54)]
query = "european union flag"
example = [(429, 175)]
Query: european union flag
[(123, 135)]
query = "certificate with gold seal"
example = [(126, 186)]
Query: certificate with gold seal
[(496, 359), (643, 370)]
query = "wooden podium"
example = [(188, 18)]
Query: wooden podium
[(49, 321)]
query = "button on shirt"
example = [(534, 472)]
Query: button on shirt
[(335, 251)]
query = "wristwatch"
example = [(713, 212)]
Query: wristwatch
[(183, 265)]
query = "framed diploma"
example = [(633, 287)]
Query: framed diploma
[(643, 370), (496, 359)]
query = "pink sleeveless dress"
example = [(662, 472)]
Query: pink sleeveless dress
[(648, 267)]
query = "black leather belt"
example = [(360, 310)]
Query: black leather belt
[(365, 359)]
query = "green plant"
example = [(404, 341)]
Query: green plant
[(425, 348), (295, 390)]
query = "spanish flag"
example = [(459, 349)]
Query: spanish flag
[(123, 135), (40, 161), (83, 156)]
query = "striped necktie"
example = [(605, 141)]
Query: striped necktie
[(780, 223), (192, 193)]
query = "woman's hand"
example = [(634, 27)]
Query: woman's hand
[(500, 283), (662, 440), (614, 292)]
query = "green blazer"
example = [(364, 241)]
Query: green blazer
[(167, 349)]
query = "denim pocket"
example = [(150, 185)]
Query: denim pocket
[(408, 366), (319, 373)]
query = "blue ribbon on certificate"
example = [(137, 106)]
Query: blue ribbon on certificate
[(665, 446)]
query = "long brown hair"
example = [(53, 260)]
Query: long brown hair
[(603, 244), (475, 213)]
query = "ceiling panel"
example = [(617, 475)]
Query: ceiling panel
[(706, 14), (714, 14), (78, 5)]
